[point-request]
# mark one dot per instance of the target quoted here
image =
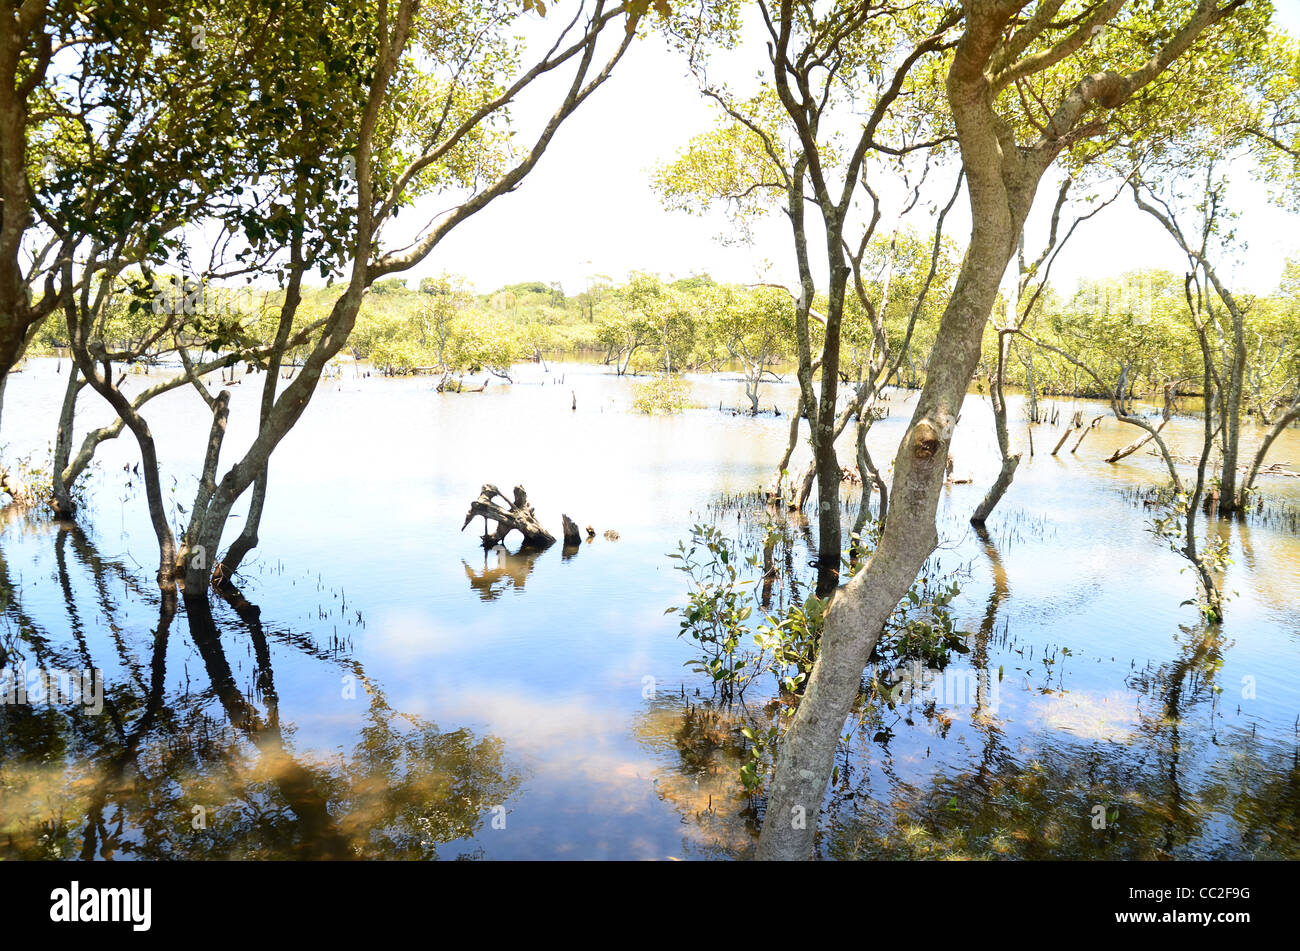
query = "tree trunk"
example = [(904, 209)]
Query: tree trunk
[(1282, 422), (870, 478), (859, 611), (829, 530), (78, 331), (997, 489), (1031, 385), (804, 490), (778, 483), (248, 539), (62, 503), (1231, 419), (1009, 462), (1065, 434)]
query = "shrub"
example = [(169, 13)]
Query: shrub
[(663, 394)]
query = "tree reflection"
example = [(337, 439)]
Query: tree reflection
[(702, 750), (511, 570), (1157, 795), (209, 770), (1173, 783)]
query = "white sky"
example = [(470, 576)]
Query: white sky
[(588, 207)]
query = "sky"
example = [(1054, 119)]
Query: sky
[(588, 207)]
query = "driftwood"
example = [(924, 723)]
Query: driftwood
[(515, 516), (1275, 468), (1135, 445), (448, 386)]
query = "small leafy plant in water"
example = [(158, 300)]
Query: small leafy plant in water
[(715, 612), (664, 394), (785, 643), (922, 626)]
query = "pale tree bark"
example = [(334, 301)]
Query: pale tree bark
[(871, 479), (1213, 599), (62, 502), (1002, 179), (1123, 452), (776, 493), (1010, 460)]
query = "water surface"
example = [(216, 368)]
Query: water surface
[(386, 688)]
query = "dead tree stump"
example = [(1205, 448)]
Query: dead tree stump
[(571, 534), (1065, 434), (515, 516)]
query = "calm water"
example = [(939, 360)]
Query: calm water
[(389, 690)]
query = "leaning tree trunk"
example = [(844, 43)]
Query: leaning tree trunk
[(1282, 422), (1001, 184), (78, 325), (247, 539), (778, 483), (998, 489)]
